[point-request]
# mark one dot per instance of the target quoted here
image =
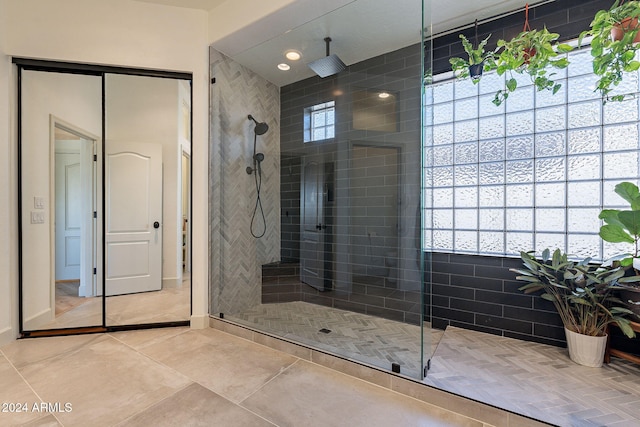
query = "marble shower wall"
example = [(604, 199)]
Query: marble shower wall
[(236, 256)]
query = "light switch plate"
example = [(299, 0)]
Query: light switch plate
[(37, 217), (38, 202)]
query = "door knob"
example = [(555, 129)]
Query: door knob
[(156, 224), (319, 227)]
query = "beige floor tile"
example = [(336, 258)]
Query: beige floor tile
[(16, 397), (311, 395), (167, 305), (196, 406), (230, 366), (104, 380), (147, 337), (33, 350), (46, 421)]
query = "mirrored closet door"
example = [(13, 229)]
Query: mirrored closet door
[(104, 168)]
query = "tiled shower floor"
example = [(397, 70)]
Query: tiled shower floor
[(533, 379), (364, 338)]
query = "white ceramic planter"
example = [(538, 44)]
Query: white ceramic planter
[(586, 350)]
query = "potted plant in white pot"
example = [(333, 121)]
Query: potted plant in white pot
[(584, 296), (623, 226)]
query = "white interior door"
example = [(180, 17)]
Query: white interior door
[(68, 215), (133, 233), (311, 225)]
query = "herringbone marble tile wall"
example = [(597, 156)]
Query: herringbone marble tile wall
[(235, 255)]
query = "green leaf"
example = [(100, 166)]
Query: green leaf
[(632, 66), (610, 216), (512, 84), (626, 262), (545, 255), (615, 234), (629, 192), (564, 48), (631, 221)]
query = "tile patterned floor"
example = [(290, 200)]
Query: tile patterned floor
[(183, 377), (533, 379), (536, 380), (364, 338)]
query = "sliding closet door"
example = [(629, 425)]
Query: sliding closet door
[(145, 277), (60, 151), (105, 203)]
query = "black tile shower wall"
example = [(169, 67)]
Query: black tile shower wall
[(370, 283), (480, 293), (565, 17)]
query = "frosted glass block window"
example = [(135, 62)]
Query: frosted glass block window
[(319, 121), (532, 173)]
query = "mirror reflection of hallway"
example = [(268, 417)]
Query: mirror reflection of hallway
[(75, 230)]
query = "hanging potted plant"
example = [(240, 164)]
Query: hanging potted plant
[(623, 226), (615, 34), (584, 296), (532, 52), (479, 59)]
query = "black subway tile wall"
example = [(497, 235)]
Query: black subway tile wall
[(486, 298)]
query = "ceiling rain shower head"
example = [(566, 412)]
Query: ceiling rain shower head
[(329, 65), (261, 127)]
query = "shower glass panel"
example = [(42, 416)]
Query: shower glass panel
[(350, 279)]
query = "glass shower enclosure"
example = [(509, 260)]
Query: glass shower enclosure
[(352, 277)]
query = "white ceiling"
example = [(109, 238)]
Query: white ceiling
[(360, 29)]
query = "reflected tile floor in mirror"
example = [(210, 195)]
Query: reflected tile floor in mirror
[(167, 305), (183, 377), (533, 379)]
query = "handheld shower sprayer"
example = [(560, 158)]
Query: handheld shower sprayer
[(260, 129)]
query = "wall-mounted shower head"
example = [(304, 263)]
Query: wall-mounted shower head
[(261, 127)]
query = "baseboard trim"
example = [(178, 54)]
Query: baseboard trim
[(36, 321), (200, 321), (7, 335), (171, 282)]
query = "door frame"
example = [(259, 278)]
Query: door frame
[(101, 71), (91, 249)]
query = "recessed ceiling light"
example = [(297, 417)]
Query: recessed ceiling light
[(284, 67), (293, 55), (383, 95)]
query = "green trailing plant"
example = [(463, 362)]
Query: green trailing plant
[(582, 293), (614, 44), (532, 52), (477, 56)]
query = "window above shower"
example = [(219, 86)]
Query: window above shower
[(319, 122)]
